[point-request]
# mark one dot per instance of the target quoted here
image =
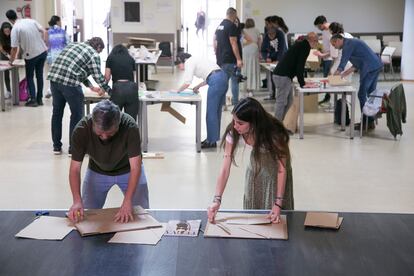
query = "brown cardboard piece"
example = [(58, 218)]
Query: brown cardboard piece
[(149, 236), (291, 118), (99, 221), (223, 229), (323, 220), (153, 155), (313, 61), (166, 107), (47, 228), (337, 80)]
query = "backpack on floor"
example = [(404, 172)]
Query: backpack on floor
[(338, 113), (23, 90)]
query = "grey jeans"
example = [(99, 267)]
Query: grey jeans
[(284, 95)]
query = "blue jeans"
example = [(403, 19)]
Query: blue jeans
[(229, 69), (367, 84), (218, 84), (73, 95), (326, 66), (33, 65), (96, 187)]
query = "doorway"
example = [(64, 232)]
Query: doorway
[(201, 44)]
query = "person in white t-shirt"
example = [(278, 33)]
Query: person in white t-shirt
[(337, 28), (217, 81), (268, 181), (30, 36)]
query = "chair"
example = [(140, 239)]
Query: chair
[(167, 53), (375, 45), (398, 47), (386, 58)]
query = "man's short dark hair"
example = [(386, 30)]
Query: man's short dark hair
[(320, 20), (336, 28), (182, 57), (11, 15), (106, 115), (96, 43), (337, 36), (231, 11)]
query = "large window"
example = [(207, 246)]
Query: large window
[(132, 11)]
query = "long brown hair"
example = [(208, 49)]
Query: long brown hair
[(268, 132)]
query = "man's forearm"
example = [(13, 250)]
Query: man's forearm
[(13, 54), (74, 181), (134, 176)]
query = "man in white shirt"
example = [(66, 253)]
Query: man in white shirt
[(30, 36), (322, 24), (217, 81)]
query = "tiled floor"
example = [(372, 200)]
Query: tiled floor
[(331, 172)]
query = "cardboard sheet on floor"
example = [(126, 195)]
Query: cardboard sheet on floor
[(323, 220), (166, 107), (337, 80), (47, 228), (153, 155), (149, 236), (100, 221), (257, 229), (291, 118)]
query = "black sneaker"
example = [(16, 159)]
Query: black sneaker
[(207, 145), (40, 102), (31, 103), (326, 99), (57, 151)]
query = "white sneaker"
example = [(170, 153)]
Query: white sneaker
[(48, 94), (7, 95)]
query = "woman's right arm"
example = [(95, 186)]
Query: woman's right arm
[(107, 74), (221, 182)]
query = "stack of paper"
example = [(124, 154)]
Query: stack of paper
[(337, 80), (323, 220), (249, 226)]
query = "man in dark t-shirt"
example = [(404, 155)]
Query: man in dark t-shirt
[(112, 141), (227, 51)]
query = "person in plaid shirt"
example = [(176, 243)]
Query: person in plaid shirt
[(71, 69)]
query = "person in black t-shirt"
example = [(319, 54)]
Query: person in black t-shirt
[(121, 66), (112, 141), (291, 65), (227, 51)]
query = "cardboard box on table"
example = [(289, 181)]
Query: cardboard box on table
[(323, 220)]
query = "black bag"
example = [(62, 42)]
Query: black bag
[(165, 48), (338, 112)]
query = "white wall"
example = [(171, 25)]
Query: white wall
[(41, 10), (407, 62), (157, 16), (356, 15)]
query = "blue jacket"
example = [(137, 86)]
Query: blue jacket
[(274, 49), (360, 55)]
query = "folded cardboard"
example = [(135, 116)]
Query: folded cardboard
[(166, 107), (221, 228), (47, 228), (153, 155), (250, 219), (149, 236), (323, 220), (99, 221), (337, 80)]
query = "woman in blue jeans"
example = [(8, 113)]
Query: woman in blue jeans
[(217, 81)]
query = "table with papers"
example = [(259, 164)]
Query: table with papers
[(365, 244), (14, 69)]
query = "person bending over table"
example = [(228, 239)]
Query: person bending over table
[(268, 181), (112, 141), (366, 61), (292, 64), (217, 81)]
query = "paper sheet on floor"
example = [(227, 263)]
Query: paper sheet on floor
[(47, 228), (146, 236)]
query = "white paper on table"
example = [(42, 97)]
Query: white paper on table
[(146, 236), (47, 228)]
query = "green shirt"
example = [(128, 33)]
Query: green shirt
[(109, 157), (74, 64)]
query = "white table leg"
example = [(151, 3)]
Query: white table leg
[(198, 126), (144, 127), (2, 100), (301, 115), (351, 130)]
